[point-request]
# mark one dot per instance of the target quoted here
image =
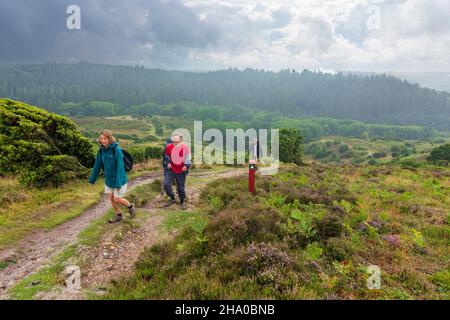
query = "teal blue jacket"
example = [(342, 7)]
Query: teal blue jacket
[(112, 165)]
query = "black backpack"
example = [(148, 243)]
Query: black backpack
[(127, 159)]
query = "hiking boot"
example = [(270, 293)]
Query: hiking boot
[(170, 202), (132, 210), (182, 206), (117, 218)]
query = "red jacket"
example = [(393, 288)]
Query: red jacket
[(179, 156)]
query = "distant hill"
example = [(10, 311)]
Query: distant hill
[(439, 81), (373, 99), (434, 80)]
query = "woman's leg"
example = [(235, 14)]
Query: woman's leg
[(126, 203), (122, 201), (114, 203)]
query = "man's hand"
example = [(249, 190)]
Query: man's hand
[(169, 166), (184, 168)]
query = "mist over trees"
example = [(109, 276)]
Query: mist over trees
[(372, 99)]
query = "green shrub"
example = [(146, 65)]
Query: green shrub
[(379, 155), (321, 153), (291, 146), (348, 154), (338, 249), (395, 149), (198, 225), (442, 280), (303, 224), (54, 171), (329, 226), (275, 200), (357, 160), (417, 239), (232, 193), (313, 251), (343, 148), (138, 154), (42, 147), (440, 155), (239, 226), (153, 152), (410, 164), (216, 203)]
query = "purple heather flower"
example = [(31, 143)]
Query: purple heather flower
[(392, 239)]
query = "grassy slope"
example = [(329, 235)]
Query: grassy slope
[(52, 275), (311, 232), (131, 126), (25, 209), (363, 148)]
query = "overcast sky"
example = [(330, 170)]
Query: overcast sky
[(396, 35)]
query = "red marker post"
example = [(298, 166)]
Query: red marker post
[(251, 176)]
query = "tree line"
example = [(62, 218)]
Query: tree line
[(379, 99)]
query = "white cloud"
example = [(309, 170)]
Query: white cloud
[(413, 34)]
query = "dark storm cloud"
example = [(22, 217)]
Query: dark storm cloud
[(22, 34), (112, 31), (175, 24)]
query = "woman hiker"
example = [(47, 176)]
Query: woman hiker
[(110, 159)]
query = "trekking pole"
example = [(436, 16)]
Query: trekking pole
[(251, 176)]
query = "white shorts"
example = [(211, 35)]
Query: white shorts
[(118, 193)]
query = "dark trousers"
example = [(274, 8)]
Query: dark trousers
[(180, 179)]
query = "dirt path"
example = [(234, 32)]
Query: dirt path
[(102, 263), (39, 247)]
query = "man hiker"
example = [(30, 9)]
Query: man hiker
[(254, 150), (178, 162)]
